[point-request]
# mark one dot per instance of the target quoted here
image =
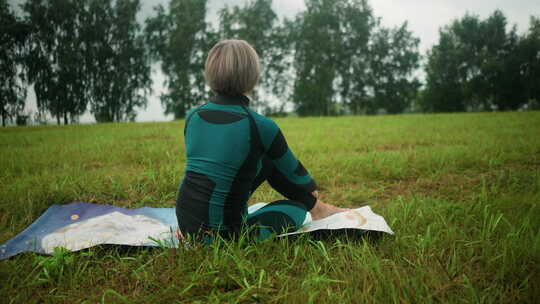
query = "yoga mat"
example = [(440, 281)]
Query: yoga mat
[(79, 225)]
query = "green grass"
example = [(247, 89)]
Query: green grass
[(461, 191)]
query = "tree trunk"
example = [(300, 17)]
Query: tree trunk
[(3, 118), (325, 110), (65, 118), (58, 119)]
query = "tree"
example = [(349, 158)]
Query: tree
[(357, 25), (345, 60), (499, 84), (444, 92), (393, 59), (117, 61), (13, 35), (54, 55), (257, 23), (318, 50), (178, 39), (475, 66), (529, 53)]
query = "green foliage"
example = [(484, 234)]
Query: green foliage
[(179, 40), (333, 58), (356, 75), (53, 267), (350, 63), (443, 89), (117, 61), (54, 56), (529, 51), (317, 55), (13, 35), (461, 191), (393, 59), (481, 65), (12, 89), (86, 52), (257, 23)]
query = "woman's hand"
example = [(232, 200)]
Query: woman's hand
[(322, 210)]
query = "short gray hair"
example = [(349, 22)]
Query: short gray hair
[(232, 68)]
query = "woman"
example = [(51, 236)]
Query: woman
[(231, 150)]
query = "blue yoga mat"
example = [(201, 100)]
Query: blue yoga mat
[(78, 226), (81, 225)]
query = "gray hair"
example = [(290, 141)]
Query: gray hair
[(232, 68)]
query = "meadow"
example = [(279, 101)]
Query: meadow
[(461, 191)]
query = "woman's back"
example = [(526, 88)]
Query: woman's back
[(231, 150), (222, 160), (225, 145)]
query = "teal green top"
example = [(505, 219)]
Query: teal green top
[(225, 143)]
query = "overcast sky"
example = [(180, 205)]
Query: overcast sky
[(425, 17)]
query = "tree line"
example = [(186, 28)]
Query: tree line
[(483, 65), (333, 58), (78, 55)]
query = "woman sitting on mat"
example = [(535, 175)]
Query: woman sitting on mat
[(231, 150)]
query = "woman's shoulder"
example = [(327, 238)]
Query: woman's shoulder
[(195, 109), (266, 126), (263, 121)]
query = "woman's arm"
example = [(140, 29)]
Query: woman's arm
[(301, 184), (288, 176)]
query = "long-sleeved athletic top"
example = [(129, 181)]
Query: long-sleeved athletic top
[(226, 143)]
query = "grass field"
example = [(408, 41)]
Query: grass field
[(461, 191)]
